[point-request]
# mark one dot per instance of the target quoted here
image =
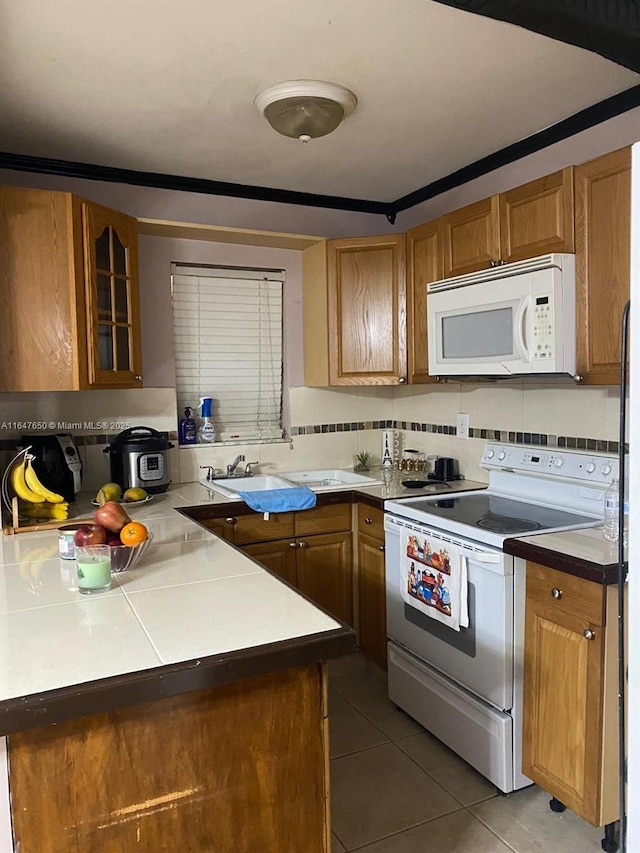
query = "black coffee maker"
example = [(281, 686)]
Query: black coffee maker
[(56, 462)]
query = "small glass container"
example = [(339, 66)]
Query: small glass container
[(94, 568), (66, 545)]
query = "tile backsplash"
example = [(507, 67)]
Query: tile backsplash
[(330, 425)]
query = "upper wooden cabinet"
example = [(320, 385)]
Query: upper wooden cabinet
[(355, 312), (603, 248), (69, 281), (424, 264), (533, 219), (471, 237)]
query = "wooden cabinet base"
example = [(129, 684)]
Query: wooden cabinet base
[(229, 769)]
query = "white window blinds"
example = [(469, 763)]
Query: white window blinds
[(228, 345)]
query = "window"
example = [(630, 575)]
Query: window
[(227, 326)]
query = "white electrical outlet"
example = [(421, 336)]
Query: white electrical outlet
[(462, 425)]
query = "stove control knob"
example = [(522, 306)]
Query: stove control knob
[(490, 454), (501, 455), (606, 470), (558, 461), (590, 468)]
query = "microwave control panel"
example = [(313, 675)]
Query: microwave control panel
[(542, 327)]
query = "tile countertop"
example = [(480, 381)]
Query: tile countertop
[(194, 613), (584, 553)]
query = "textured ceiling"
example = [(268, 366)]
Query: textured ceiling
[(168, 86)]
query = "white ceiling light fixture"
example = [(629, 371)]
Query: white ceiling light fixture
[(305, 109)]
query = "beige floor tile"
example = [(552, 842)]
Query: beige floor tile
[(347, 665), (455, 833), (336, 847), (525, 822), (349, 731), (368, 694), (448, 769), (379, 792)]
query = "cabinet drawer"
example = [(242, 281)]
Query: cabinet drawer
[(254, 528), (323, 519), (566, 593), (371, 521)]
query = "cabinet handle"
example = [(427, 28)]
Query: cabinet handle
[(138, 376), (303, 544), (556, 593), (588, 634), (368, 521), (401, 380), (293, 544), (230, 520), (381, 548)]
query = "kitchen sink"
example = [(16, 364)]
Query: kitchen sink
[(258, 483), (320, 480), (330, 479)]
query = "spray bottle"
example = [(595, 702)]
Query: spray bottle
[(207, 431)]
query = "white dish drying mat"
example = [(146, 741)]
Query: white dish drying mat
[(433, 579)]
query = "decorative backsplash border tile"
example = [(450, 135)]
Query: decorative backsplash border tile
[(535, 439)]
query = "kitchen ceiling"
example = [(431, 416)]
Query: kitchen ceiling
[(167, 86)]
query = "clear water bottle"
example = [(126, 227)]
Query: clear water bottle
[(611, 511)]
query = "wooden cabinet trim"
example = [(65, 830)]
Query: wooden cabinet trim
[(424, 265)]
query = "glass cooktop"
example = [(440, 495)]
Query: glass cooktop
[(499, 514)]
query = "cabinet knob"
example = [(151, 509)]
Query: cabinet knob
[(556, 593), (401, 380), (303, 544), (588, 634), (293, 544), (368, 520), (381, 548), (230, 520), (138, 376)]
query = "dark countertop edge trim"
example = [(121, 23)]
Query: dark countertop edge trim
[(150, 685), (571, 565)]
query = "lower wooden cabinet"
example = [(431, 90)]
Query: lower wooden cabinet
[(311, 550), (372, 614), (570, 741)]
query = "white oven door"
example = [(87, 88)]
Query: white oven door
[(479, 657)]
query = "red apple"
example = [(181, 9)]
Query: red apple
[(113, 539), (90, 534), (112, 516)]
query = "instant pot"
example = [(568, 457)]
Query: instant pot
[(140, 458)]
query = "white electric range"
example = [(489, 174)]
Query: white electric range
[(465, 686)]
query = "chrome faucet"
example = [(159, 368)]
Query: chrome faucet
[(231, 469)]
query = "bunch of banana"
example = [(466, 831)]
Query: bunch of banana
[(27, 486), (44, 509)]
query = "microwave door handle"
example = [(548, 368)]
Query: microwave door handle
[(521, 343)]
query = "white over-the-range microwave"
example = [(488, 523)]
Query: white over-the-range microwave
[(509, 320)]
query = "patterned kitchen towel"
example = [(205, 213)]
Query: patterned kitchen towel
[(433, 579), (280, 500)]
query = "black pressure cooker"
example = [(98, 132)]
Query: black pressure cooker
[(140, 459)]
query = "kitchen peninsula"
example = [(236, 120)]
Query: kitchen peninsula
[(189, 702)]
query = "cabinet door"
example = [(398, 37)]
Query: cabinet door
[(603, 239), (278, 556), (325, 573), (471, 237), (372, 613), (330, 518), (424, 264), (537, 218), (367, 311), (113, 301), (563, 685), (222, 527)]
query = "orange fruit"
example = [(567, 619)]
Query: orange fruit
[(133, 533)]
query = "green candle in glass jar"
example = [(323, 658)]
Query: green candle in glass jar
[(94, 568)]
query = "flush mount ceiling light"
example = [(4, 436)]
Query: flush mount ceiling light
[(305, 109)]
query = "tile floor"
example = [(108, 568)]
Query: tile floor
[(396, 789)]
